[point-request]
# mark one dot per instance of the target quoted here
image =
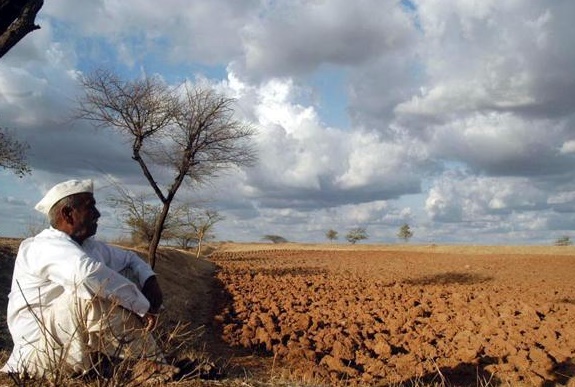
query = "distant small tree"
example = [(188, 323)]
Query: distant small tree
[(331, 235), (196, 227), (563, 241), (405, 233), (139, 214), (140, 217), (356, 234), (274, 238)]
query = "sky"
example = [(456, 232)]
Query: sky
[(455, 117)]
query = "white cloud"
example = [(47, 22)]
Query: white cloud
[(568, 147), (297, 37), (457, 196), (206, 32), (317, 163), (371, 160), (484, 85)]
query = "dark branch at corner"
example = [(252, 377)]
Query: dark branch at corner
[(17, 19)]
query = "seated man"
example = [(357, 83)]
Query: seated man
[(70, 299)]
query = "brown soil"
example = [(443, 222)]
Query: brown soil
[(373, 315), (381, 315)]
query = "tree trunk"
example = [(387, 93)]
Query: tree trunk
[(16, 21), (199, 248), (153, 248)]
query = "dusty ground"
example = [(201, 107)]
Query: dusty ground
[(372, 315)]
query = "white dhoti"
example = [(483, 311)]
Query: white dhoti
[(73, 330)]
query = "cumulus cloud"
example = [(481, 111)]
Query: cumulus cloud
[(297, 37), (495, 56), (494, 87), (181, 31), (304, 163), (568, 147), (501, 144), (39, 113), (459, 197), (430, 87)]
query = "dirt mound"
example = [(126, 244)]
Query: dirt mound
[(373, 317), (187, 284)]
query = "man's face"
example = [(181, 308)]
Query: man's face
[(85, 217)]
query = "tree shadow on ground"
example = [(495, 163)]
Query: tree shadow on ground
[(236, 361), (449, 278)]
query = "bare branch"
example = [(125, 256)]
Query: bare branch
[(13, 154)]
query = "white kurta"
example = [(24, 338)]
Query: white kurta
[(52, 267)]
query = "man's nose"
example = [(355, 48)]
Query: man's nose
[(97, 214)]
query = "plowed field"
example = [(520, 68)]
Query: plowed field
[(372, 316)]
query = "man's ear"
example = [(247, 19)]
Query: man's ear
[(66, 213)]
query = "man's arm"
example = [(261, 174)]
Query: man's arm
[(103, 282), (119, 260)]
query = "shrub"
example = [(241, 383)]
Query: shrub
[(563, 241)]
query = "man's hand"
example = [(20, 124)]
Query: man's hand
[(153, 293), (150, 321)]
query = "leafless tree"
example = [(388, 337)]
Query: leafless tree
[(196, 226), (185, 235), (13, 153), (17, 19), (190, 131), (139, 212), (140, 216)]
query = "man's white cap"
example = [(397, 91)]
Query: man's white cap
[(60, 191)]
